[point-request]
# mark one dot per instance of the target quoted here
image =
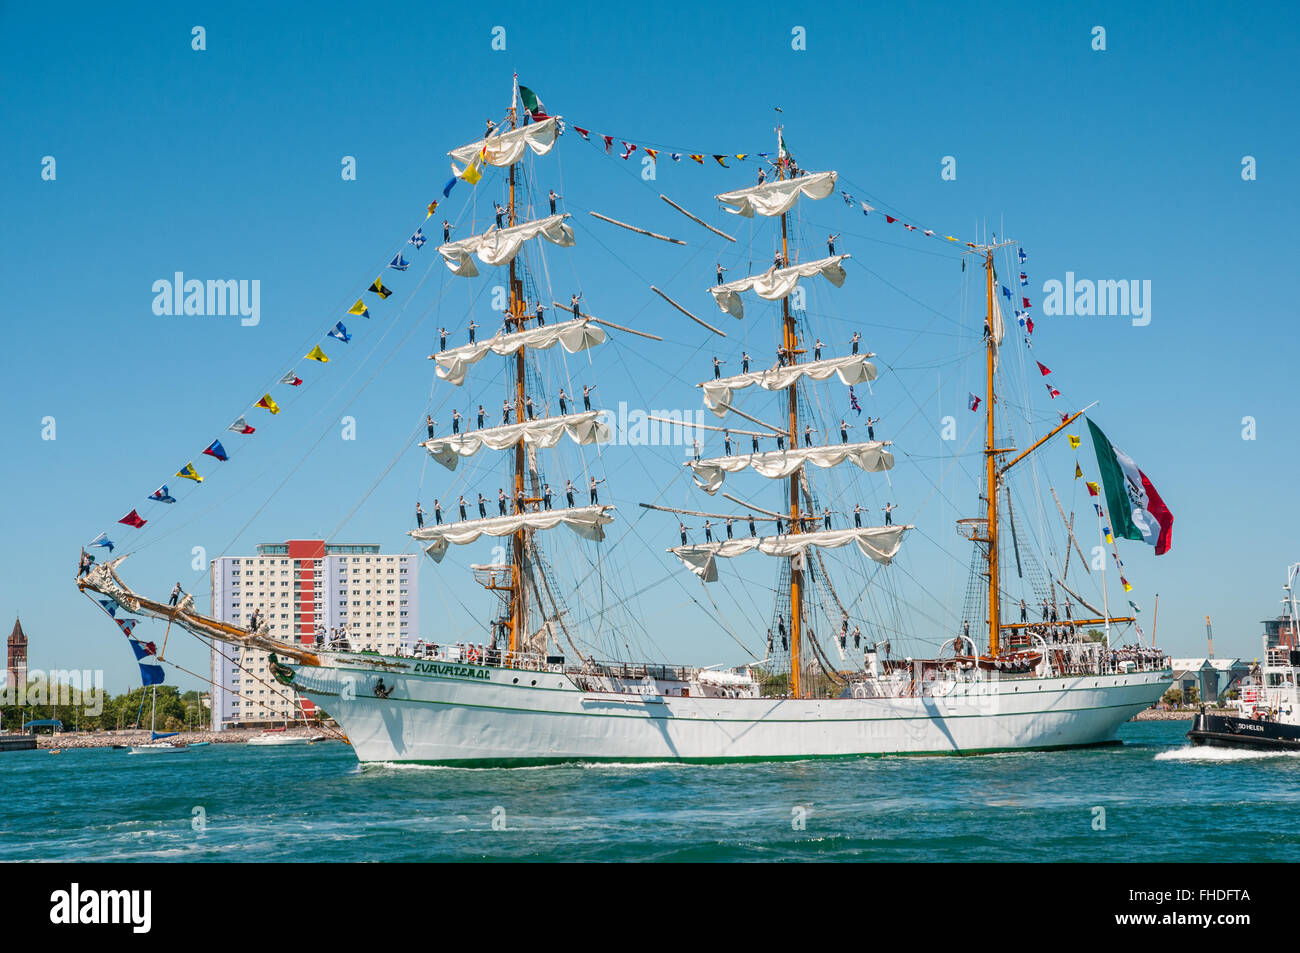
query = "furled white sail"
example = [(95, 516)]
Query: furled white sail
[(853, 369), (498, 246), (508, 148), (587, 521), (880, 543), (574, 336), (583, 428), (778, 464), (778, 197), (776, 283)]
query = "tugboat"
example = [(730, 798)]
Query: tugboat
[(1268, 710)]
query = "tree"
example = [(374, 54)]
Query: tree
[(1173, 697)]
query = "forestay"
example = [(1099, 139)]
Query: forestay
[(508, 148), (587, 521), (777, 198), (776, 283), (499, 246), (880, 543), (853, 369), (778, 464), (576, 335), (583, 428)]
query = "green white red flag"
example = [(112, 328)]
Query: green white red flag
[(1136, 509)]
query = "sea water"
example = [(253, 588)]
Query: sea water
[(1153, 799)]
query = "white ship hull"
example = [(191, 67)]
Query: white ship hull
[(458, 714)]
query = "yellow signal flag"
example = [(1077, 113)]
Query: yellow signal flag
[(1128, 586), (189, 473), (360, 309), (1078, 474), (269, 404), (471, 173), (316, 354), (379, 289), (1074, 441)]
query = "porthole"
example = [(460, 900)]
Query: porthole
[(516, 681), (533, 682)]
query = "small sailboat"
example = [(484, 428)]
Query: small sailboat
[(156, 745)]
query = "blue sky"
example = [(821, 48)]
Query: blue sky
[(225, 163)]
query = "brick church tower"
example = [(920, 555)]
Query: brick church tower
[(17, 658)]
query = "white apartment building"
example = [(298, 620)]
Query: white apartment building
[(304, 588)]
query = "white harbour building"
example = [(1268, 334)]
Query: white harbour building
[(304, 588)]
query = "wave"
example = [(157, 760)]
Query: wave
[(1208, 753)]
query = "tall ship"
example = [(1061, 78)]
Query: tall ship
[(828, 666)]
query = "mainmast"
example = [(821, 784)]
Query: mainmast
[(791, 343), (518, 609)]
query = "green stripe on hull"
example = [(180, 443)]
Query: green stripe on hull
[(752, 759)]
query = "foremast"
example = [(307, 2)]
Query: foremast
[(517, 580)]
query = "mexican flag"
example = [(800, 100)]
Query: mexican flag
[(1135, 507), (532, 104)]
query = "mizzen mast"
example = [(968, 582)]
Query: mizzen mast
[(991, 460)]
